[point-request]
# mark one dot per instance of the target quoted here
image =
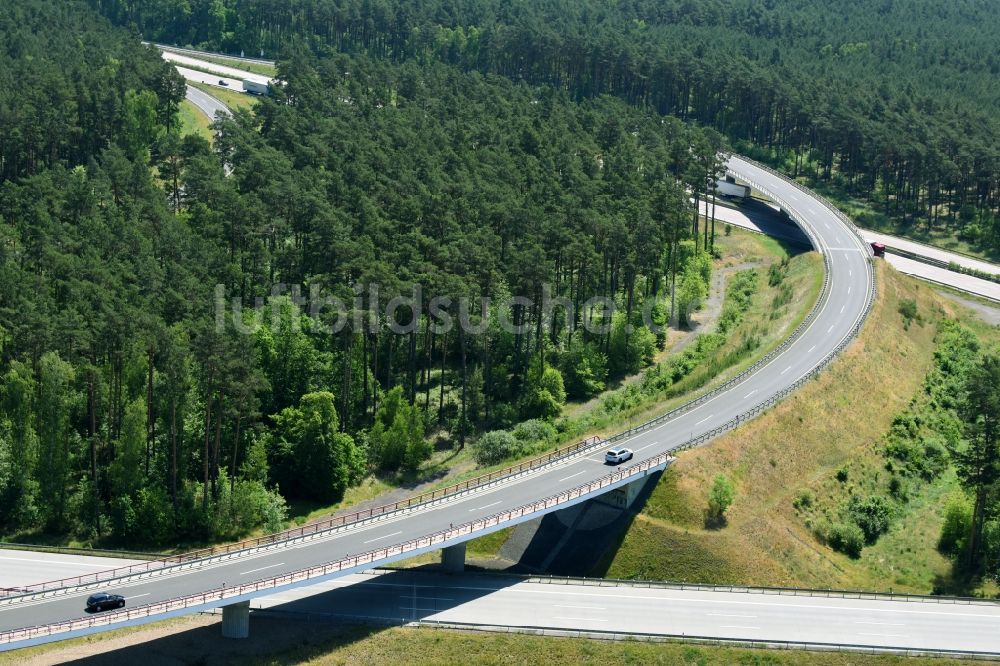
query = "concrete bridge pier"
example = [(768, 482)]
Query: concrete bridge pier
[(236, 620), (453, 558), (624, 497)]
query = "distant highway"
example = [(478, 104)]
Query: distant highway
[(210, 79), (207, 104), (219, 70), (763, 218)]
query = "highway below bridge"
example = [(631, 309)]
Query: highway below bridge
[(54, 611)]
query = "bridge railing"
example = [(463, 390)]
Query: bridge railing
[(440, 537), (311, 528), (365, 559), (506, 473)]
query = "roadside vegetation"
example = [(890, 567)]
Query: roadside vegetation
[(234, 99), (893, 104), (137, 411), (193, 121), (852, 483), (255, 67)]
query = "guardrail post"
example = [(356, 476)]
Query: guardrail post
[(236, 620)]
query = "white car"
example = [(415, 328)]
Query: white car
[(618, 455)]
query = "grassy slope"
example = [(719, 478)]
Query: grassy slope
[(193, 121), (836, 420), (231, 98), (804, 276), (255, 67)]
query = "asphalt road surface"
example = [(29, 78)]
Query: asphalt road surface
[(499, 600), (21, 567), (850, 281), (765, 219), (207, 104), (220, 70)]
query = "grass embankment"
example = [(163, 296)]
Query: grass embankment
[(234, 99), (198, 640), (193, 121), (836, 422), (776, 307)]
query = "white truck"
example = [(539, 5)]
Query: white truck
[(255, 88), (729, 188)]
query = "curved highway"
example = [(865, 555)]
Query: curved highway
[(209, 105), (839, 313)]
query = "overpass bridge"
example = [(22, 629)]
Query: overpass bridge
[(229, 577)]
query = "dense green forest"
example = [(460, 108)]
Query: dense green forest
[(895, 101), (144, 399)]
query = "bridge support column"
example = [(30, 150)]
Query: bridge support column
[(236, 620), (453, 558), (625, 496)]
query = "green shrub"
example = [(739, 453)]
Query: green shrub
[(804, 500), (495, 447), (872, 515), (956, 527), (533, 431), (846, 538)]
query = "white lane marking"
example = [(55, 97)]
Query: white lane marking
[(730, 615), (704, 419), (484, 507), (580, 619), (136, 596), (849, 290), (580, 607), (884, 624), (786, 369), (749, 394), (842, 309), (850, 273), (830, 330), (567, 478), (386, 536), (647, 446), (270, 566), (810, 349)]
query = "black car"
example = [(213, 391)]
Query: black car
[(103, 601)]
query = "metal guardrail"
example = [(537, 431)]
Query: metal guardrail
[(164, 563), (764, 591), (351, 562), (464, 530), (763, 644), (777, 351)]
